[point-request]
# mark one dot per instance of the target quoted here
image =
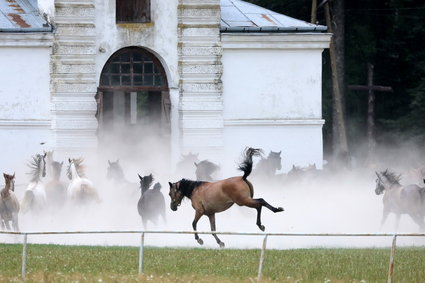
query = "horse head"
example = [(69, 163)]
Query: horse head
[(275, 159), (115, 171), (176, 195), (9, 181), (379, 189), (145, 182)]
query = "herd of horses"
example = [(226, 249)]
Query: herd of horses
[(208, 195)]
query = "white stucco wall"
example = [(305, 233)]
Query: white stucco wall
[(25, 119), (272, 95)]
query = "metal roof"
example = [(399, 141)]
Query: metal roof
[(241, 16), (21, 16)]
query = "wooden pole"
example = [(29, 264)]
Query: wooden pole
[(339, 117), (313, 12), (370, 88)]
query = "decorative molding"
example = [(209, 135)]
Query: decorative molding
[(273, 122), (25, 124), (44, 39), (275, 40)]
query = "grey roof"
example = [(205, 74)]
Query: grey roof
[(21, 16), (241, 16)]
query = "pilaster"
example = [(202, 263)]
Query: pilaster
[(73, 77), (200, 69)]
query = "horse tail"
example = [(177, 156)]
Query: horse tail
[(27, 201), (246, 165)]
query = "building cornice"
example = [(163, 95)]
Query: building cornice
[(44, 39), (275, 40)]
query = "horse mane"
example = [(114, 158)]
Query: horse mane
[(246, 165), (78, 167), (35, 167), (392, 177), (188, 186)]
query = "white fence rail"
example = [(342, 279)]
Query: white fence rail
[(263, 249)]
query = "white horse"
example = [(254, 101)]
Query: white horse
[(81, 189), (35, 195)]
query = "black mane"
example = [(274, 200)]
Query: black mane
[(188, 186)]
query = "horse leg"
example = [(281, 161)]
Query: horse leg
[(397, 221), (258, 204), (384, 216), (15, 223), (7, 225), (195, 221), (212, 224)]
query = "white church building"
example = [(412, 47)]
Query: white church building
[(148, 78)]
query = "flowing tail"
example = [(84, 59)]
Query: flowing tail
[(246, 165)]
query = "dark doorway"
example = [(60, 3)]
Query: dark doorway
[(133, 104)]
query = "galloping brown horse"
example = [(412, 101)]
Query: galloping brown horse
[(208, 198)]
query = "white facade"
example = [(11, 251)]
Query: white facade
[(227, 90), (272, 95), (25, 118)]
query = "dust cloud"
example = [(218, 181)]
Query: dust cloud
[(325, 201)]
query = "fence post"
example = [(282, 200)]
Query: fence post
[(392, 255), (142, 242), (263, 251), (24, 257)]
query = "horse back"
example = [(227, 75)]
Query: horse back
[(234, 189)]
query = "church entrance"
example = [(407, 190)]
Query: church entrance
[(133, 106)]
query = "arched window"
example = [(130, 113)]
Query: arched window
[(133, 94), (133, 67)]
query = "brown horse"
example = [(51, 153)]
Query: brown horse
[(208, 198), (9, 204)]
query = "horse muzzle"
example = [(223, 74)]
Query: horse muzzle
[(173, 207)]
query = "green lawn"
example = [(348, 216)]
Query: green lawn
[(53, 263)]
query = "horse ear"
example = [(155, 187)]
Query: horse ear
[(61, 163), (69, 160), (140, 177), (293, 166), (4, 175), (13, 176), (109, 162), (171, 185), (280, 152), (196, 164)]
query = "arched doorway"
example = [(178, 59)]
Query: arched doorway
[(133, 104)]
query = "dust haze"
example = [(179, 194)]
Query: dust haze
[(338, 200)]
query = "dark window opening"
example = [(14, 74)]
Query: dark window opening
[(133, 11)]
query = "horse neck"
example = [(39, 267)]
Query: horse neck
[(5, 192), (74, 172)]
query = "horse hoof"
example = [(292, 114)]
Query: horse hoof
[(280, 209), (200, 242), (262, 228), (221, 244)]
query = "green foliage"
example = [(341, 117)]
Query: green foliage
[(53, 263), (389, 34)]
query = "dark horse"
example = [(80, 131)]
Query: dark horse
[(208, 198), (400, 199), (9, 204), (267, 167), (151, 204), (205, 169)]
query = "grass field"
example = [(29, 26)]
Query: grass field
[(53, 263)]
